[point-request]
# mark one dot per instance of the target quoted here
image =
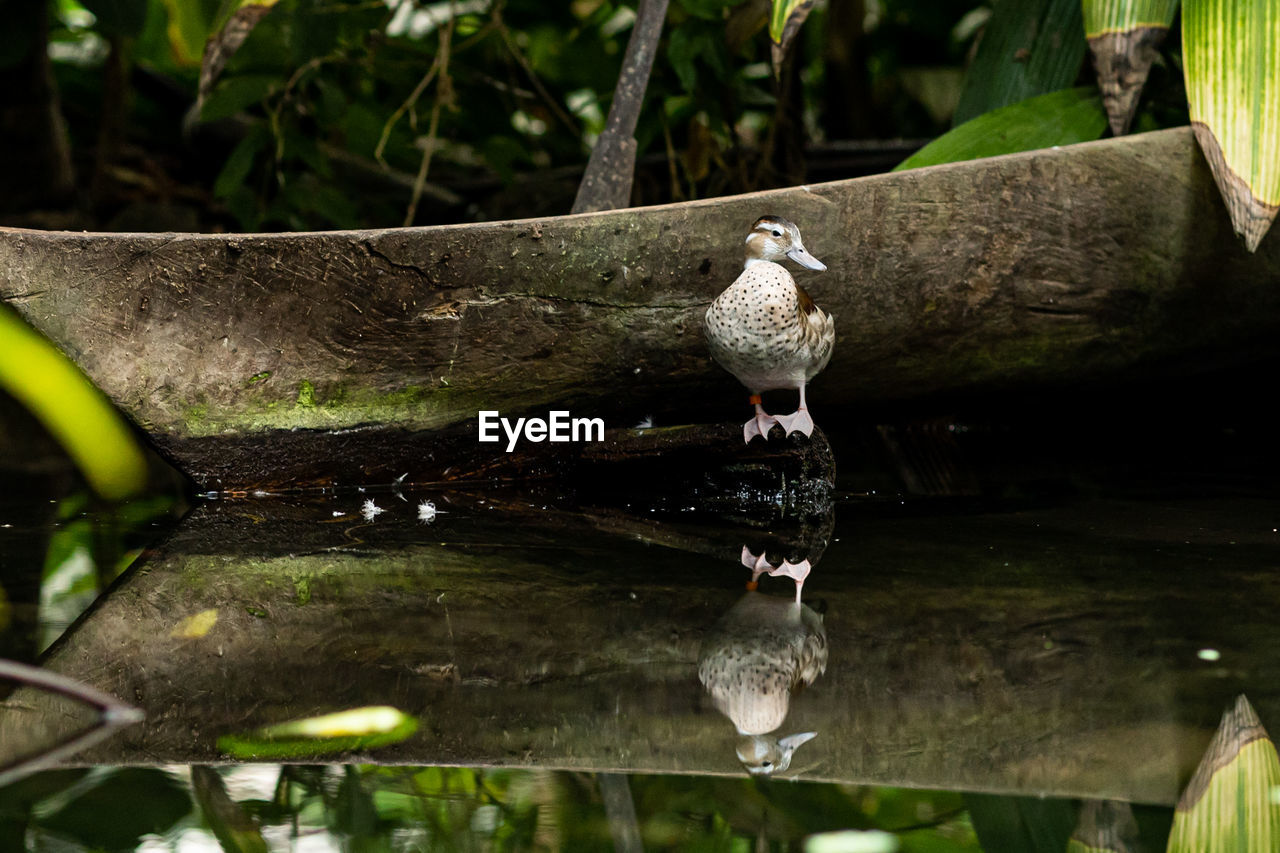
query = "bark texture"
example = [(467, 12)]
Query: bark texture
[(1103, 260), (606, 185)]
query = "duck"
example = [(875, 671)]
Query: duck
[(759, 653), (767, 331)]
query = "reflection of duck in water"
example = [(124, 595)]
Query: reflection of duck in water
[(760, 652), (761, 566)]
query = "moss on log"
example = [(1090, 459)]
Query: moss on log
[(1100, 259)]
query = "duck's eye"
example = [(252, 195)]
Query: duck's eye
[(777, 233)]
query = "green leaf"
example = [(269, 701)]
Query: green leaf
[(1021, 824), (121, 808), (784, 23), (236, 94), (1231, 52), (118, 17), (711, 10), (189, 28), (693, 43), (343, 731), (1058, 118), (74, 411), (230, 184), (1029, 47), (1121, 16), (1229, 804), (682, 50)]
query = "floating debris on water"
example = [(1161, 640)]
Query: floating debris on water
[(426, 512)]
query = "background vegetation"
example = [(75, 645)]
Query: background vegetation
[(331, 111)]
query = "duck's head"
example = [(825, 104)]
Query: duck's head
[(764, 755), (773, 238)]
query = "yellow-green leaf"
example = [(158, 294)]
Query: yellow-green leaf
[(1120, 16), (188, 28), (195, 625), (75, 412), (1228, 804), (1123, 37), (343, 731), (1231, 56), (784, 23)]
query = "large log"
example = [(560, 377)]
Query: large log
[(1100, 259)]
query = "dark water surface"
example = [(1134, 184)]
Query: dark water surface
[(1076, 649)]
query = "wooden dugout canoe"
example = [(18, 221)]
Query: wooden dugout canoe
[(248, 357)]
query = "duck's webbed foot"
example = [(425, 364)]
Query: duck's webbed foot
[(759, 565), (798, 421), (760, 424)]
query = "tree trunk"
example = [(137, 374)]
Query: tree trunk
[(35, 170), (606, 185)]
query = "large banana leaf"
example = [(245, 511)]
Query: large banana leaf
[(1231, 53), (1229, 803), (1029, 47), (1058, 118), (1123, 36)]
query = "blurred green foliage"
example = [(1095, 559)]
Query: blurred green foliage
[(71, 408), (260, 807), (324, 115), (354, 113)]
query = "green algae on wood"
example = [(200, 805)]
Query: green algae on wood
[(1231, 54), (1123, 38)]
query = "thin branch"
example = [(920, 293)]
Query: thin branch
[(444, 95), (112, 715), (418, 90), (520, 58), (408, 104)]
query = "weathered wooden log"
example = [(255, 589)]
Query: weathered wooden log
[(1097, 260)]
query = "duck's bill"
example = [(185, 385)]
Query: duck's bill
[(804, 259), (793, 741)]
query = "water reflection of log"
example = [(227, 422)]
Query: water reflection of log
[(972, 653)]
